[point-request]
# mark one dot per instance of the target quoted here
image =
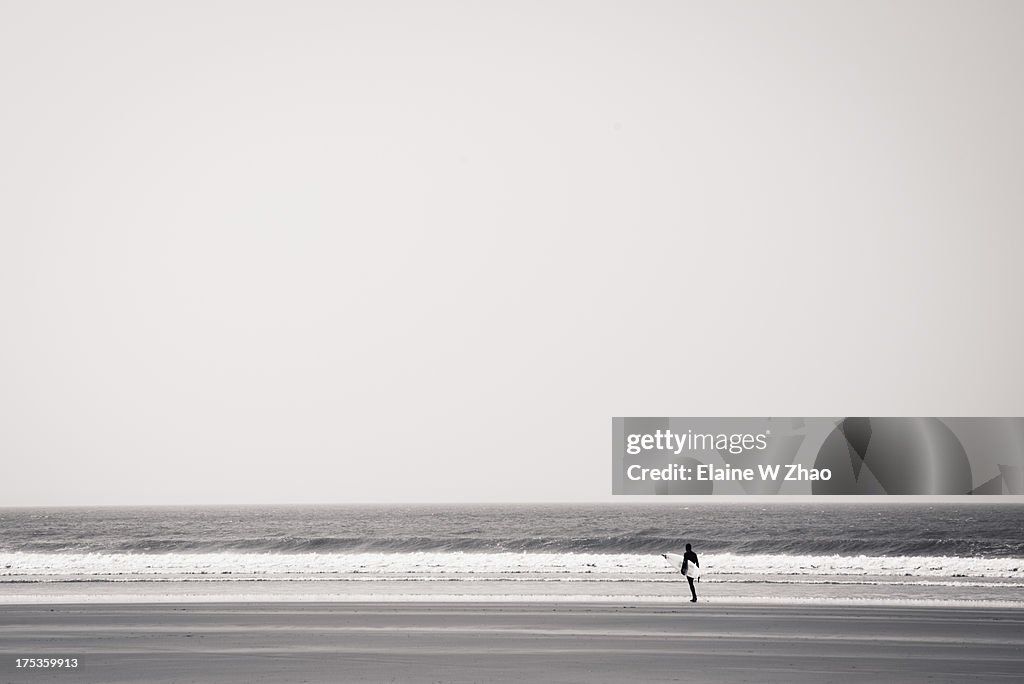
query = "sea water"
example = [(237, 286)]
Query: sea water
[(748, 552)]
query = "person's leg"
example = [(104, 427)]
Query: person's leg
[(692, 590)]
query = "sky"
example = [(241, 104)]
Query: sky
[(270, 252)]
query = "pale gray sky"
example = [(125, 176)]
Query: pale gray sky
[(386, 251)]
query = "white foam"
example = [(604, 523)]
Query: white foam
[(21, 566)]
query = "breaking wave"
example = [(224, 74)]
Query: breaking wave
[(34, 566)]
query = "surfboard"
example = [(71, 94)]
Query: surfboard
[(676, 561)]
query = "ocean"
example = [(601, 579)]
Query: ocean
[(749, 552)]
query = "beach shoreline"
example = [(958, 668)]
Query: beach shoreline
[(513, 588), (511, 641)]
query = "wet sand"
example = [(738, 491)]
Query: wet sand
[(502, 642)]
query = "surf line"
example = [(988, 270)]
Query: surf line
[(712, 473)]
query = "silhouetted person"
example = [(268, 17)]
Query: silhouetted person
[(690, 557)]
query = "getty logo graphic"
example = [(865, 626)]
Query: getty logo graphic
[(913, 456)]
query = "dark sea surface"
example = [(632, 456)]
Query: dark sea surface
[(970, 530)]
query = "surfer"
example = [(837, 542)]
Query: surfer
[(690, 557)]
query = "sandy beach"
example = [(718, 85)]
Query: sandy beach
[(550, 642)]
